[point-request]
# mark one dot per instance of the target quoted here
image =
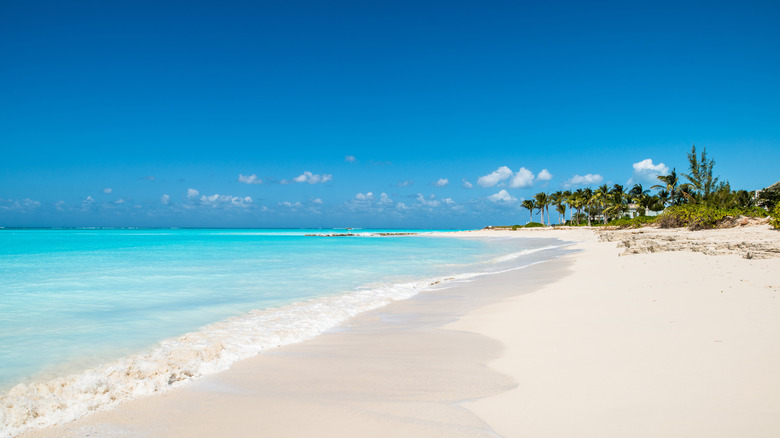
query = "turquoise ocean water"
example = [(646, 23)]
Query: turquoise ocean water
[(89, 318)]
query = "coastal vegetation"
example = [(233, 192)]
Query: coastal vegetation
[(697, 199), (528, 225), (774, 218)]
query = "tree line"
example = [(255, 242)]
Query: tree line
[(700, 187)]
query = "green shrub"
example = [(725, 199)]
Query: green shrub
[(701, 216), (632, 222), (774, 217), (752, 211), (533, 225)]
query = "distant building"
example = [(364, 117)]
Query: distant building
[(633, 211)]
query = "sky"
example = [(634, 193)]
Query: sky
[(404, 114)]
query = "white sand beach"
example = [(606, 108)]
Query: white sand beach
[(657, 344)]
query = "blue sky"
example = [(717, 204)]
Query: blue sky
[(369, 114)]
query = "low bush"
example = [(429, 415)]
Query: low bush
[(702, 216), (533, 225), (636, 222), (774, 217)]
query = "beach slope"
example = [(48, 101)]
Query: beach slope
[(661, 344)]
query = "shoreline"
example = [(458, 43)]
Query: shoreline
[(593, 347), (405, 326), (173, 361)]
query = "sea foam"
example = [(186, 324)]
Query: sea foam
[(176, 361)]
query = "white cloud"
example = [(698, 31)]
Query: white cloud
[(544, 175), (288, 204), (251, 179), (647, 165), (467, 184), (87, 203), (308, 177), (448, 201), (107, 190), (24, 205), (217, 200), (214, 201), (406, 183), (165, 199), (401, 206), (441, 182), (430, 202), (370, 202), (384, 199), (495, 177), (317, 201), (502, 197), (29, 203), (367, 197), (645, 170), (350, 159), (588, 179), (522, 178)]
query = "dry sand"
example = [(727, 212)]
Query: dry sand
[(669, 344)]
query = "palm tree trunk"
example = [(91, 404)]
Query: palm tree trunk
[(589, 215)]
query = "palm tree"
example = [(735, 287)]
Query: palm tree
[(567, 201), (670, 184), (617, 200), (561, 209), (637, 191), (688, 193), (557, 199), (541, 203), (601, 200), (662, 196), (587, 199), (641, 197), (578, 201), (530, 206)]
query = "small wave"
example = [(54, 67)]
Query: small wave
[(212, 349), (178, 360)]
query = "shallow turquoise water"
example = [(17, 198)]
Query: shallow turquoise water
[(91, 318), (72, 299)]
